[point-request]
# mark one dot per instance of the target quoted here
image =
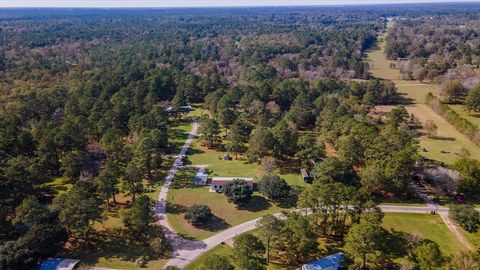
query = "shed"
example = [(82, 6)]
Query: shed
[(59, 264), (332, 262), (200, 179)]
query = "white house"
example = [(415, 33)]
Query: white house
[(200, 179), (218, 183)]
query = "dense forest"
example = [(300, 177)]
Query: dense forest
[(83, 98), (437, 48)]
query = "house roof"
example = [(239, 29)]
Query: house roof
[(58, 264), (226, 179), (324, 263)]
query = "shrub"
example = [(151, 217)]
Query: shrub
[(466, 216), (198, 214)]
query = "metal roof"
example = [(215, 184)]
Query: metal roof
[(224, 179), (328, 262)]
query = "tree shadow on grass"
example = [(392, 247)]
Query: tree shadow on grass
[(193, 151), (403, 99), (394, 244), (112, 248), (215, 224), (289, 166), (175, 209), (184, 178), (291, 200), (442, 138), (256, 204)]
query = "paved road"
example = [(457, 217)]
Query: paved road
[(185, 256)]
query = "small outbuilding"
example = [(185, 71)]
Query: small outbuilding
[(200, 179), (332, 262)]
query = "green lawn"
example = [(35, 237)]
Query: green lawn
[(473, 238), (220, 250), (473, 118), (114, 253), (430, 227), (226, 214), (182, 194), (199, 155)]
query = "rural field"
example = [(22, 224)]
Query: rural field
[(447, 146), (473, 117), (183, 194), (427, 226)]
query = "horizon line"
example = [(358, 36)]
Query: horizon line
[(332, 4)]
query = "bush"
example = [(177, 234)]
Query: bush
[(273, 187), (198, 214), (466, 216)]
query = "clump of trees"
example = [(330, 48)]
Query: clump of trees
[(237, 192), (41, 236), (249, 251), (435, 47), (472, 101), (469, 170), (273, 187), (466, 216), (294, 236)]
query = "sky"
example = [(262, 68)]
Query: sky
[(196, 3)]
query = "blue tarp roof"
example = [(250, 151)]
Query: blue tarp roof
[(50, 264), (324, 263), (58, 264)]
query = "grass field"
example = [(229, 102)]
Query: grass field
[(473, 238), (430, 227), (220, 250), (445, 149), (182, 194), (226, 214)]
